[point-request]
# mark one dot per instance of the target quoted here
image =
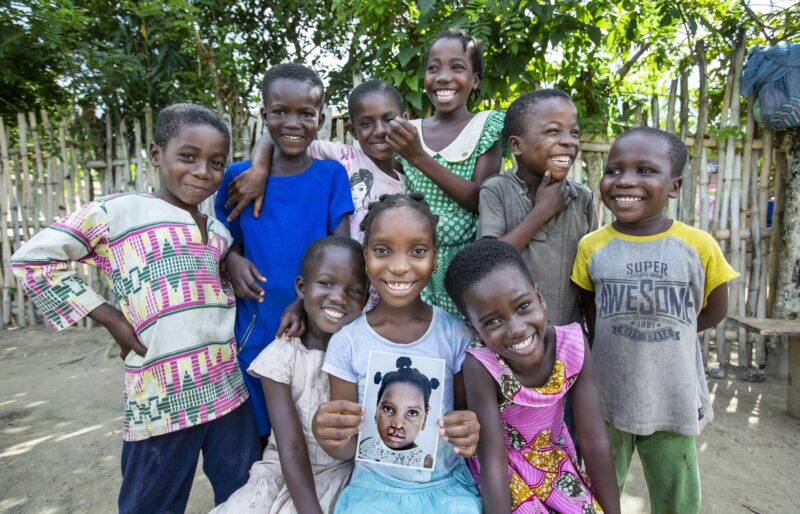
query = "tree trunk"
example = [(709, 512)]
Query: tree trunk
[(787, 295)]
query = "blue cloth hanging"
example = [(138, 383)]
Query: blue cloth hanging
[(773, 76)]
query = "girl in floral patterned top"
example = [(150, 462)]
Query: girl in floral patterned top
[(446, 157), (517, 377)]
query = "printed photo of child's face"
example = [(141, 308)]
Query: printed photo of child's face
[(401, 414)]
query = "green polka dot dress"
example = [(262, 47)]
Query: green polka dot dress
[(457, 226)]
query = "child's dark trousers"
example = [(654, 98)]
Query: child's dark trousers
[(157, 473)]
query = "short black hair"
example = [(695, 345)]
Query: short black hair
[(677, 153), (407, 375), (471, 45), (414, 201), (292, 71), (173, 118), (367, 88), (521, 109), (478, 260), (318, 247)]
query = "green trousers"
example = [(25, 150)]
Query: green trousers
[(669, 462)]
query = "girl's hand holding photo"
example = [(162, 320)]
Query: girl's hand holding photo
[(335, 423)]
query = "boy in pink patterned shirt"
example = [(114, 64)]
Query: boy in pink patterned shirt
[(183, 390)]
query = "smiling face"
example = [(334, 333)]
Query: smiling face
[(292, 112), (551, 139), (334, 293), (400, 415), (637, 182), (449, 77), (400, 255), (506, 311), (191, 165), (371, 116)]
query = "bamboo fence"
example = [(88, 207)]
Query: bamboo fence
[(46, 174)]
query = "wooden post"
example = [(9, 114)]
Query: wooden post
[(787, 292), (49, 204), (38, 184), (655, 109), (673, 94), (5, 193), (739, 218), (577, 169), (152, 182), (62, 172), (108, 177), (24, 181), (684, 113), (763, 200), (775, 234), (141, 174), (124, 155)]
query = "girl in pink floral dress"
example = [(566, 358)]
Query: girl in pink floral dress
[(518, 374)]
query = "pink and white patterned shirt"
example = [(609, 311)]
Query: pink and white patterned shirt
[(167, 284)]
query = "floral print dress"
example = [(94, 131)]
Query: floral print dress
[(543, 472)]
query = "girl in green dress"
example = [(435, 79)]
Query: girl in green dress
[(446, 157)]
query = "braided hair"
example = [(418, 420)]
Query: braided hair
[(405, 374), (414, 201)]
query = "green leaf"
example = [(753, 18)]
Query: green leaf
[(406, 54)]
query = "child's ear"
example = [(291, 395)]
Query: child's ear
[(155, 155), (675, 188), (541, 298), (299, 287), (321, 118), (514, 144)]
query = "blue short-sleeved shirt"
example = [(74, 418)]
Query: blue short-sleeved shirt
[(297, 211)]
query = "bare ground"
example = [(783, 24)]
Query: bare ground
[(60, 434)]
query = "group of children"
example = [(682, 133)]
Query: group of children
[(335, 252)]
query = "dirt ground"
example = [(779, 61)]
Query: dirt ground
[(60, 434)]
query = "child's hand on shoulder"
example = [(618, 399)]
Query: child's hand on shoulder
[(404, 139), (461, 429), (336, 422), (552, 196), (293, 321), (246, 188)]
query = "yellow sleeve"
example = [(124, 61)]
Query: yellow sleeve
[(717, 269), (580, 270)]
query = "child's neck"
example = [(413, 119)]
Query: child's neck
[(402, 325), (531, 178), (386, 166), (315, 339), (287, 165), (538, 374), (458, 115), (647, 227)]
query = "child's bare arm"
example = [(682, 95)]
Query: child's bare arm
[(244, 274), (551, 198), (482, 398), (593, 437), (292, 449), (119, 328), (404, 139), (337, 421), (589, 311), (250, 186), (716, 308), (343, 230)]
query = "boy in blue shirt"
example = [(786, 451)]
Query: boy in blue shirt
[(305, 200), (649, 285)]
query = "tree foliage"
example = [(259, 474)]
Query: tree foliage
[(611, 55)]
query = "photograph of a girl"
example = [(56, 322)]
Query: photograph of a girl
[(406, 405)]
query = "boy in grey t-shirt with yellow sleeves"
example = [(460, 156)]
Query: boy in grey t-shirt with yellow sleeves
[(649, 285)]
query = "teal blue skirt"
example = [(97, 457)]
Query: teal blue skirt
[(369, 493)]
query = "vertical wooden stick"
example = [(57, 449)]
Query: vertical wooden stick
[(49, 203), (38, 183), (108, 177), (685, 109), (24, 181), (61, 171), (141, 174), (775, 234), (5, 193), (152, 176), (673, 94)]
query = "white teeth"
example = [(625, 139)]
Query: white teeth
[(333, 314), (562, 161), (399, 286), (625, 201), (445, 95), (523, 344), (293, 138)]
